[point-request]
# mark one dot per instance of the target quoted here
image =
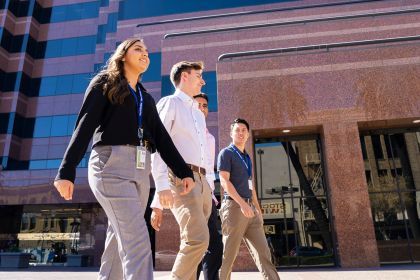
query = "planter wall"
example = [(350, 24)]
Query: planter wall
[(14, 260)]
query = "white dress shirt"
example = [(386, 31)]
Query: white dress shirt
[(211, 149), (210, 145), (186, 125)]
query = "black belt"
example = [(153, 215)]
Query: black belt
[(197, 169), (247, 200)]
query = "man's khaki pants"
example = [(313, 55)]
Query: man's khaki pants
[(191, 211), (235, 227)]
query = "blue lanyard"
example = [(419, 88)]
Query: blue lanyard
[(246, 160), (139, 105)]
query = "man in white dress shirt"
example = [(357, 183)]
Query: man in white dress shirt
[(191, 208), (212, 259)]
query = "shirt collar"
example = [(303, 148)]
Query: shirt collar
[(235, 148), (142, 88), (186, 98)]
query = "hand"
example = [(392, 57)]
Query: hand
[(188, 184), (156, 218), (166, 199), (65, 188), (247, 210)]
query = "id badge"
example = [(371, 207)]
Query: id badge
[(141, 157), (250, 184)]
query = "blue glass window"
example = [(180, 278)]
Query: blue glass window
[(64, 84), (131, 9), (75, 11), (48, 86), (4, 122), (89, 9), (104, 3), (70, 46), (41, 14), (11, 43), (7, 80), (53, 163), (71, 124), (59, 125), (101, 35), (53, 48), (153, 73), (23, 127), (44, 164), (19, 8), (81, 82), (111, 25), (29, 86), (211, 89), (42, 127), (54, 126), (37, 164), (86, 45)]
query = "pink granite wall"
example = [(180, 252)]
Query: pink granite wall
[(335, 90)]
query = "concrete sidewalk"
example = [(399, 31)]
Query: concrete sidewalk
[(401, 272)]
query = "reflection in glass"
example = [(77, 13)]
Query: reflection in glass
[(293, 200), (390, 230), (411, 200), (51, 232), (393, 166)]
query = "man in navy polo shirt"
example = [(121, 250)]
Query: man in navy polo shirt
[(240, 211)]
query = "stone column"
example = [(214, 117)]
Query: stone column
[(348, 193)]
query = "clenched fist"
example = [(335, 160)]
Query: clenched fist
[(65, 188)]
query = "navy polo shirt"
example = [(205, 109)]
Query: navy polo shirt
[(229, 161)]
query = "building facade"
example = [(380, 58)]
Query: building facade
[(330, 88)]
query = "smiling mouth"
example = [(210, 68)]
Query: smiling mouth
[(145, 61)]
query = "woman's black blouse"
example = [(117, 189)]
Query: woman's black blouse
[(116, 124)]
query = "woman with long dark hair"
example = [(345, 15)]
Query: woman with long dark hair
[(122, 118)]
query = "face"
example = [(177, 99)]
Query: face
[(193, 81), (137, 58), (239, 133), (203, 105)]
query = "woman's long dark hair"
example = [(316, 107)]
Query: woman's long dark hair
[(116, 85)]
